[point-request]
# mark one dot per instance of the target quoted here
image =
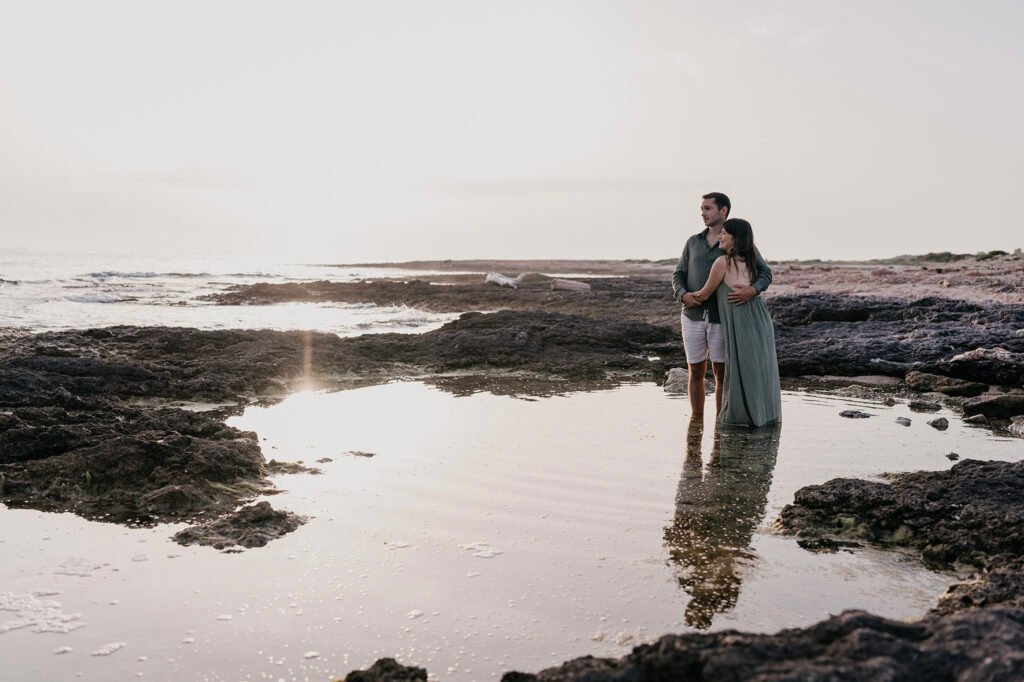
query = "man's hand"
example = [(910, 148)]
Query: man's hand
[(690, 300), (741, 296)]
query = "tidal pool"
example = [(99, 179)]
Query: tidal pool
[(486, 533)]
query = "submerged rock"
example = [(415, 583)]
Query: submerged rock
[(252, 526), (854, 414), (941, 423), (274, 467)]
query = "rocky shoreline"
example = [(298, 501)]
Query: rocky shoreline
[(95, 422)]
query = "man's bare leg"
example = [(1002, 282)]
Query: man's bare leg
[(695, 387), (718, 368)]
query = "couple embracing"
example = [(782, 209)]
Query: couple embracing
[(719, 279)]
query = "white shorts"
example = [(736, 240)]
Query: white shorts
[(701, 339)]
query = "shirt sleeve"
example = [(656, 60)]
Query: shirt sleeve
[(679, 276), (764, 274)]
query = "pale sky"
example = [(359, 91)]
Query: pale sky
[(343, 131)]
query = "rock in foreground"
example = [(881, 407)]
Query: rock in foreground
[(966, 515), (855, 646)]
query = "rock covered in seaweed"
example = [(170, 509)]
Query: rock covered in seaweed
[(125, 464), (252, 526), (965, 515)]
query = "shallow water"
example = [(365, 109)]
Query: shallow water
[(485, 534)]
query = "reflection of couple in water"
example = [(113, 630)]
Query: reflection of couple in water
[(718, 508), (719, 279)]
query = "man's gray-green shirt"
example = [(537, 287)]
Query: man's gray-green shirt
[(694, 267)]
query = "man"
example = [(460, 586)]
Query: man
[(702, 328)]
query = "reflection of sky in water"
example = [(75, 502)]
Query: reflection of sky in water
[(486, 534)]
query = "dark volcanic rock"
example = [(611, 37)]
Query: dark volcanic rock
[(848, 335), (388, 670), (252, 526), (274, 468), (854, 414), (815, 333), (1000, 585), (855, 646), (941, 423), (549, 343), (923, 382), (126, 464), (1002, 364), (996, 407), (965, 515)]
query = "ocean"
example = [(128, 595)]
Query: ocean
[(46, 292)]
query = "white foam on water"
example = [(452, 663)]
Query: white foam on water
[(38, 615), (63, 650), (79, 566), (481, 549), (97, 298), (108, 649)]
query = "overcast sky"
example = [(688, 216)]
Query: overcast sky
[(344, 131)]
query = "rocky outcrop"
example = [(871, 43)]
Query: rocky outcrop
[(854, 646), (924, 383), (828, 334), (996, 407), (816, 333), (966, 515), (74, 438), (388, 670), (252, 526), (126, 465)]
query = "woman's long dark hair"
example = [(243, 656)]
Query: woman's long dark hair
[(742, 244)]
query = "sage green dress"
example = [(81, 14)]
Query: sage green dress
[(752, 395)]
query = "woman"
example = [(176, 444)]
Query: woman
[(752, 395)]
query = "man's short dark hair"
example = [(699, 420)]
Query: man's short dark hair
[(721, 201)]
